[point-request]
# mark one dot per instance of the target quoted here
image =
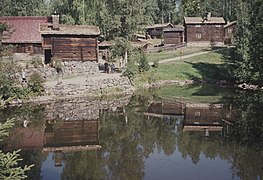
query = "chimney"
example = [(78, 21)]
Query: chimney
[(55, 21)]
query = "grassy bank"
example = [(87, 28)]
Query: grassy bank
[(155, 57), (209, 67)]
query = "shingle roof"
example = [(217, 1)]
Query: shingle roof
[(230, 24), (159, 26), (177, 28), (200, 20), (70, 29), (26, 28)]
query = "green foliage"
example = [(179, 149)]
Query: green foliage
[(57, 64), (9, 168), (131, 70), (120, 48), (37, 62), (246, 61), (36, 83), (143, 63)]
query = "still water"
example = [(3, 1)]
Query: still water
[(197, 132)]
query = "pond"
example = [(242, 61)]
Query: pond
[(191, 132)]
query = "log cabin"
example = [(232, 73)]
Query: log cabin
[(204, 31), (69, 42), (156, 30), (174, 36), (25, 35)]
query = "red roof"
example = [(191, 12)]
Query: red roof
[(26, 28)]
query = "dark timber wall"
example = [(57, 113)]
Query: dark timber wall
[(72, 48), (204, 33)]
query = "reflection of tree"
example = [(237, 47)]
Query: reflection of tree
[(248, 126), (35, 157)]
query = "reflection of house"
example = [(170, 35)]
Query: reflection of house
[(71, 133), (166, 108), (156, 30), (201, 117), (69, 43), (230, 32), (174, 35), (25, 33), (204, 31), (57, 135)]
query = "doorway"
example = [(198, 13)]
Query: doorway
[(48, 56)]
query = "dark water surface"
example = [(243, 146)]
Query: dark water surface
[(198, 132)]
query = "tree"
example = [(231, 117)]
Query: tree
[(9, 168), (247, 61)]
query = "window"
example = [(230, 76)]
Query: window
[(229, 30), (197, 113), (198, 35), (218, 26), (198, 25)]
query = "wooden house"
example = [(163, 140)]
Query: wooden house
[(69, 42), (173, 36), (156, 30), (230, 33), (25, 35), (204, 31)]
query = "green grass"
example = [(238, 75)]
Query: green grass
[(153, 57), (200, 94), (203, 67)]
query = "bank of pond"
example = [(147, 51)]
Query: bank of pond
[(189, 132)]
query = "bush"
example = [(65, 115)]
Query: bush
[(156, 64), (143, 63), (36, 62), (131, 70), (36, 83)]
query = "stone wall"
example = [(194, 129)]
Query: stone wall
[(91, 86), (83, 108)]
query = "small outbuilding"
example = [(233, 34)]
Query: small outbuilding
[(174, 36), (204, 30), (69, 42), (156, 30)]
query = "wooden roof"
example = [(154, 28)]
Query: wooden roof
[(26, 28), (70, 29), (230, 24), (159, 26), (177, 28), (200, 20)]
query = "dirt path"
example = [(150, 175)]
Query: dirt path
[(179, 58)]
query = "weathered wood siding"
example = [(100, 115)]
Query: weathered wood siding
[(230, 33), (72, 132), (204, 33), (72, 48), (173, 38)]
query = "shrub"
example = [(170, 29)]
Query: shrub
[(36, 62), (131, 70), (36, 83)]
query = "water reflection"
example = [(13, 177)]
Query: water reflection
[(141, 138)]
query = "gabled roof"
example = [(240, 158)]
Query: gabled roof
[(230, 24), (200, 20), (159, 26), (26, 28), (70, 29), (177, 28), (106, 44)]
